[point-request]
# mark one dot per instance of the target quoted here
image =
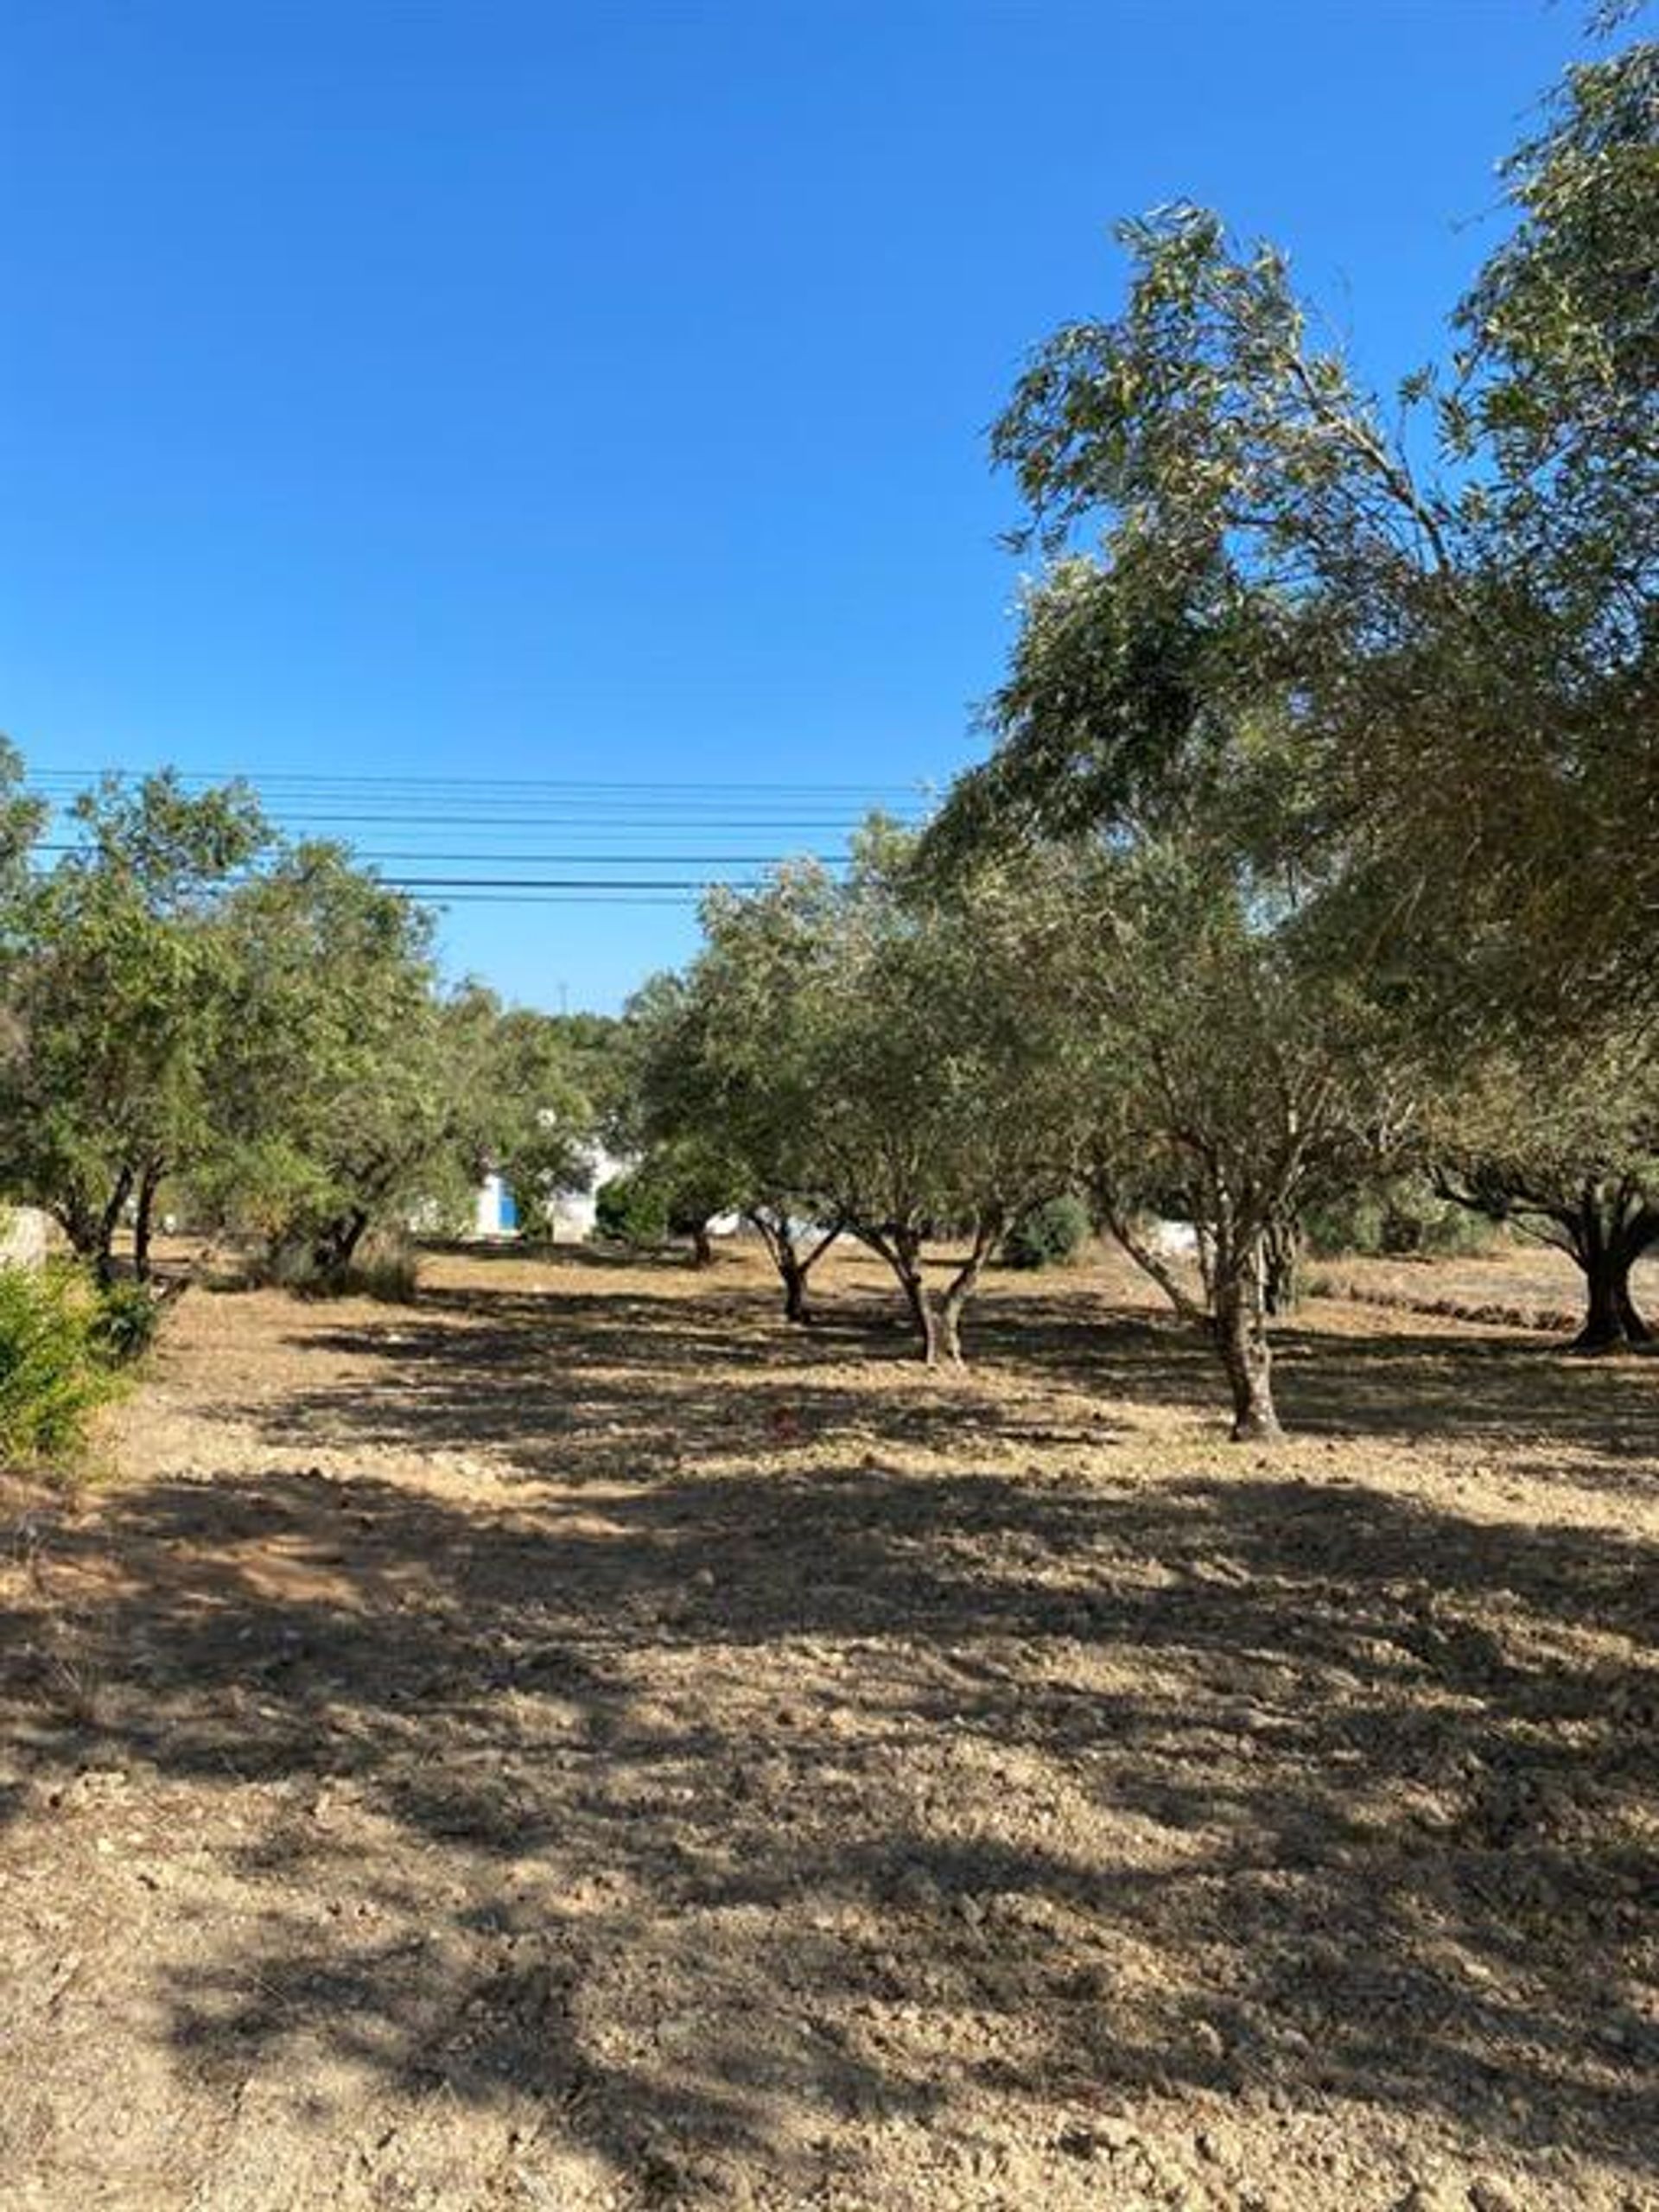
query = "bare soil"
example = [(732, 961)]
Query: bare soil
[(1526, 1283), (574, 1742)]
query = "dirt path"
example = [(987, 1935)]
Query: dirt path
[(572, 1744)]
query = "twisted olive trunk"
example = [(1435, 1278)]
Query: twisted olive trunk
[(1607, 1238), (936, 1321), (336, 1245), (1247, 1354), (1604, 1226), (1281, 1284), (794, 1266), (990, 1225), (899, 1244), (1611, 1320), (91, 1229), (149, 1183), (923, 1316)]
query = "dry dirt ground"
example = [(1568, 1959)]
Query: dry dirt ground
[(574, 1743), (1529, 1284)]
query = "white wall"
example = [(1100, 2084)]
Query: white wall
[(25, 1236)]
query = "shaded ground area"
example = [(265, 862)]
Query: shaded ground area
[(574, 1743)]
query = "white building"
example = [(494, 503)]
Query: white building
[(571, 1214)]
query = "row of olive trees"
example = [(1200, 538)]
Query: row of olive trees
[(903, 1061), (859, 1058), (1321, 831), (193, 1006), (903, 1057)]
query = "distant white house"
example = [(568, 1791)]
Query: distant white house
[(495, 1211), (570, 1215), (1175, 1240)]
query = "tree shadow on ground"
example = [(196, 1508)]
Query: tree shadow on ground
[(575, 1385), (730, 1816), (1537, 1403)]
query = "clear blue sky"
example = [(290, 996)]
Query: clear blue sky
[(600, 392)]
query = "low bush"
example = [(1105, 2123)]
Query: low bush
[(387, 1270), (632, 1210), (57, 1365), (391, 1276), (124, 1325), (1047, 1235), (1403, 1219)]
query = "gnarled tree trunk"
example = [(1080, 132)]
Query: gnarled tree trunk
[(91, 1229), (1607, 1232), (1611, 1322), (1239, 1307), (900, 1245), (937, 1320), (1246, 1355), (1281, 1286), (953, 1302), (336, 1245), (149, 1184), (906, 1264), (794, 1266), (1604, 1226)]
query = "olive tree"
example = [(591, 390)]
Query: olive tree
[(946, 1083), (1446, 597), (1382, 678), (1233, 1068), (347, 1093), (728, 1061), (1569, 1156), (121, 1001)]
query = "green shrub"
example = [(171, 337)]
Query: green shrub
[(1404, 1219), (1352, 1223), (1047, 1235), (1421, 1222), (632, 1209), (126, 1322), (55, 1369)]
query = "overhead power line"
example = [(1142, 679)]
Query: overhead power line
[(511, 787), (652, 823), (789, 822), (683, 900), (375, 858), (561, 883)]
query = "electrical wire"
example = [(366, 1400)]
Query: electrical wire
[(585, 815)]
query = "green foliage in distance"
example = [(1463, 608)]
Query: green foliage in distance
[(119, 994), (1047, 1235), (631, 1209), (1397, 1216)]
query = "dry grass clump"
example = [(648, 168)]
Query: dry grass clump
[(385, 1269)]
